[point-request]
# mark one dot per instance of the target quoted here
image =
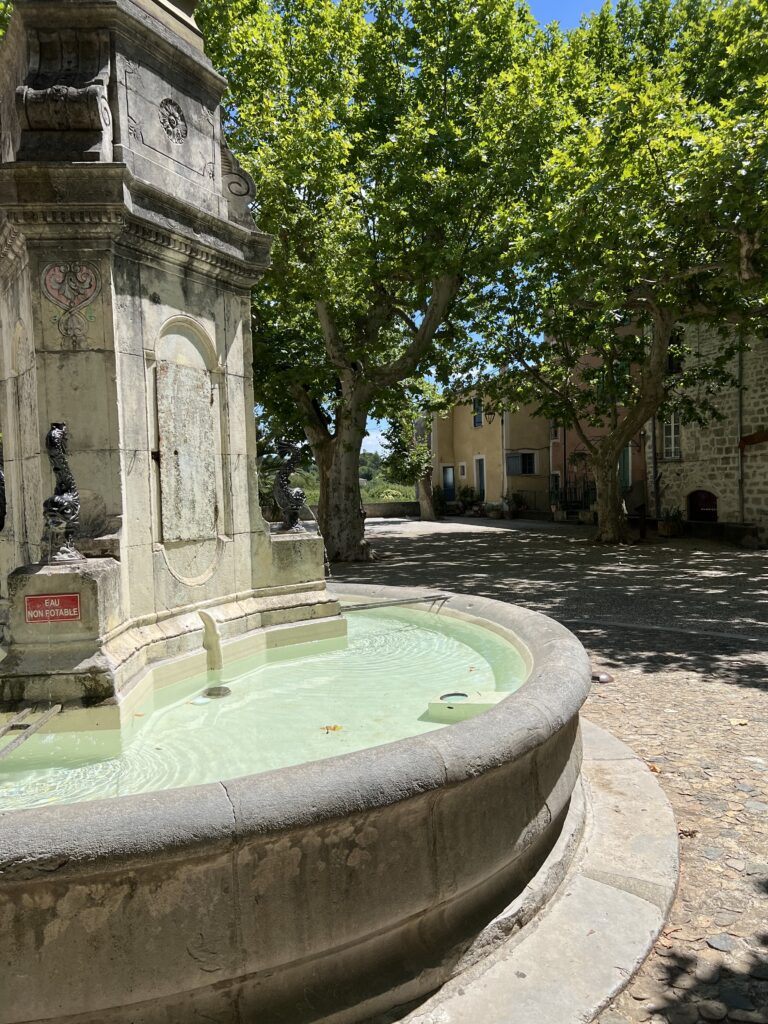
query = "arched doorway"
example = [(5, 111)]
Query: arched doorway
[(702, 507)]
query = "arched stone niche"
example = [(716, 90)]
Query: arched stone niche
[(192, 517)]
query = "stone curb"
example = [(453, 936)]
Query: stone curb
[(568, 963)]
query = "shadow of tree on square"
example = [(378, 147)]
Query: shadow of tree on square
[(655, 607)]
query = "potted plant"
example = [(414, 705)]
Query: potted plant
[(670, 522), (516, 505)]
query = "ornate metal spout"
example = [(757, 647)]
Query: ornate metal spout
[(290, 500), (61, 512)]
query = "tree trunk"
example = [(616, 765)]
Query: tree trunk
[(340, 513), (426, 501), (611, 522)]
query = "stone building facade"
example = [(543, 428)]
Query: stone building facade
[(718, 472)]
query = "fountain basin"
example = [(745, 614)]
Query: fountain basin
[(324, 891)]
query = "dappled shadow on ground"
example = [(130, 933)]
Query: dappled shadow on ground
[(692, 989), (676, 605)]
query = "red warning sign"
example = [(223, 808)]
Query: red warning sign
[(52, 608)]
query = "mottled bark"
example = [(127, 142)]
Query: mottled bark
[(426, 500), (340, 517), (611, 520)]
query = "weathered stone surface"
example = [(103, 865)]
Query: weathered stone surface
[(748, 1016), (725, 943), (687, 1013), (188, 432), (711, 1009), (125, 279)]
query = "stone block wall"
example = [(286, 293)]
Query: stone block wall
[(710, 456)]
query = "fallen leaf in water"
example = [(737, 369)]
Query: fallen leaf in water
[(332, 728), (654, 768), (739, 721), (138, 714)]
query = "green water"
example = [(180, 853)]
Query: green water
[(289, 706)]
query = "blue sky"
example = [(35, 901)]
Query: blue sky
[(568, 13)]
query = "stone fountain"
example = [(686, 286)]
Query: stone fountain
[(134, 553), (127, 256)]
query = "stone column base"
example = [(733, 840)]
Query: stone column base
[(59, 617)]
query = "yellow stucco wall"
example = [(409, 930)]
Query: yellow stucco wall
[(457, 442), (528, 433)]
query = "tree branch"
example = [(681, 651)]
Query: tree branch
[(314, 421), (333, 344), (444, 291)]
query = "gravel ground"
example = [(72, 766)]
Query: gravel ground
[(682, 627)]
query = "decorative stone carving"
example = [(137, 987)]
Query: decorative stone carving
[(238, 186), (72, 287), (173, 121), (61, 511), (62, 106), (134, 129), (290, 500)]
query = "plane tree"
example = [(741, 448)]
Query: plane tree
[(372, 133), (648, 214)]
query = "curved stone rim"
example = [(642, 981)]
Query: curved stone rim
[(64, 837)]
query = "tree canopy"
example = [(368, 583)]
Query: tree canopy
[(372, 133), (649, 211)]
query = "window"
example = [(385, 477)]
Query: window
[(477, 412), (554, 433), (521, 464), (671, 428), (462, 469)]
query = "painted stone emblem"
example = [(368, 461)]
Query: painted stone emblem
[(173, 121), (72, 287)]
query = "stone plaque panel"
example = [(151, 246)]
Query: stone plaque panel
[(188, 441), (170, 127)]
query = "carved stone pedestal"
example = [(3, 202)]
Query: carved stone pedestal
[(61, 617)]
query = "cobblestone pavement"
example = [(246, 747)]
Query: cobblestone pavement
[(682, 627)]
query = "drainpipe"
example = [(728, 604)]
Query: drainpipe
[(565, 462), (655, 468), (503, 463), (740, 432)]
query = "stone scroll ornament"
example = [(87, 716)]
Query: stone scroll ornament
[(72, 287), (290, 500), (61, 512)]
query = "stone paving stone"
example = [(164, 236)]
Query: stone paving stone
[(687, 1013), (710, 1009), (721, 840)]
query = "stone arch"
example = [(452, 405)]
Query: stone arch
[(189, 420), (184, 341)]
